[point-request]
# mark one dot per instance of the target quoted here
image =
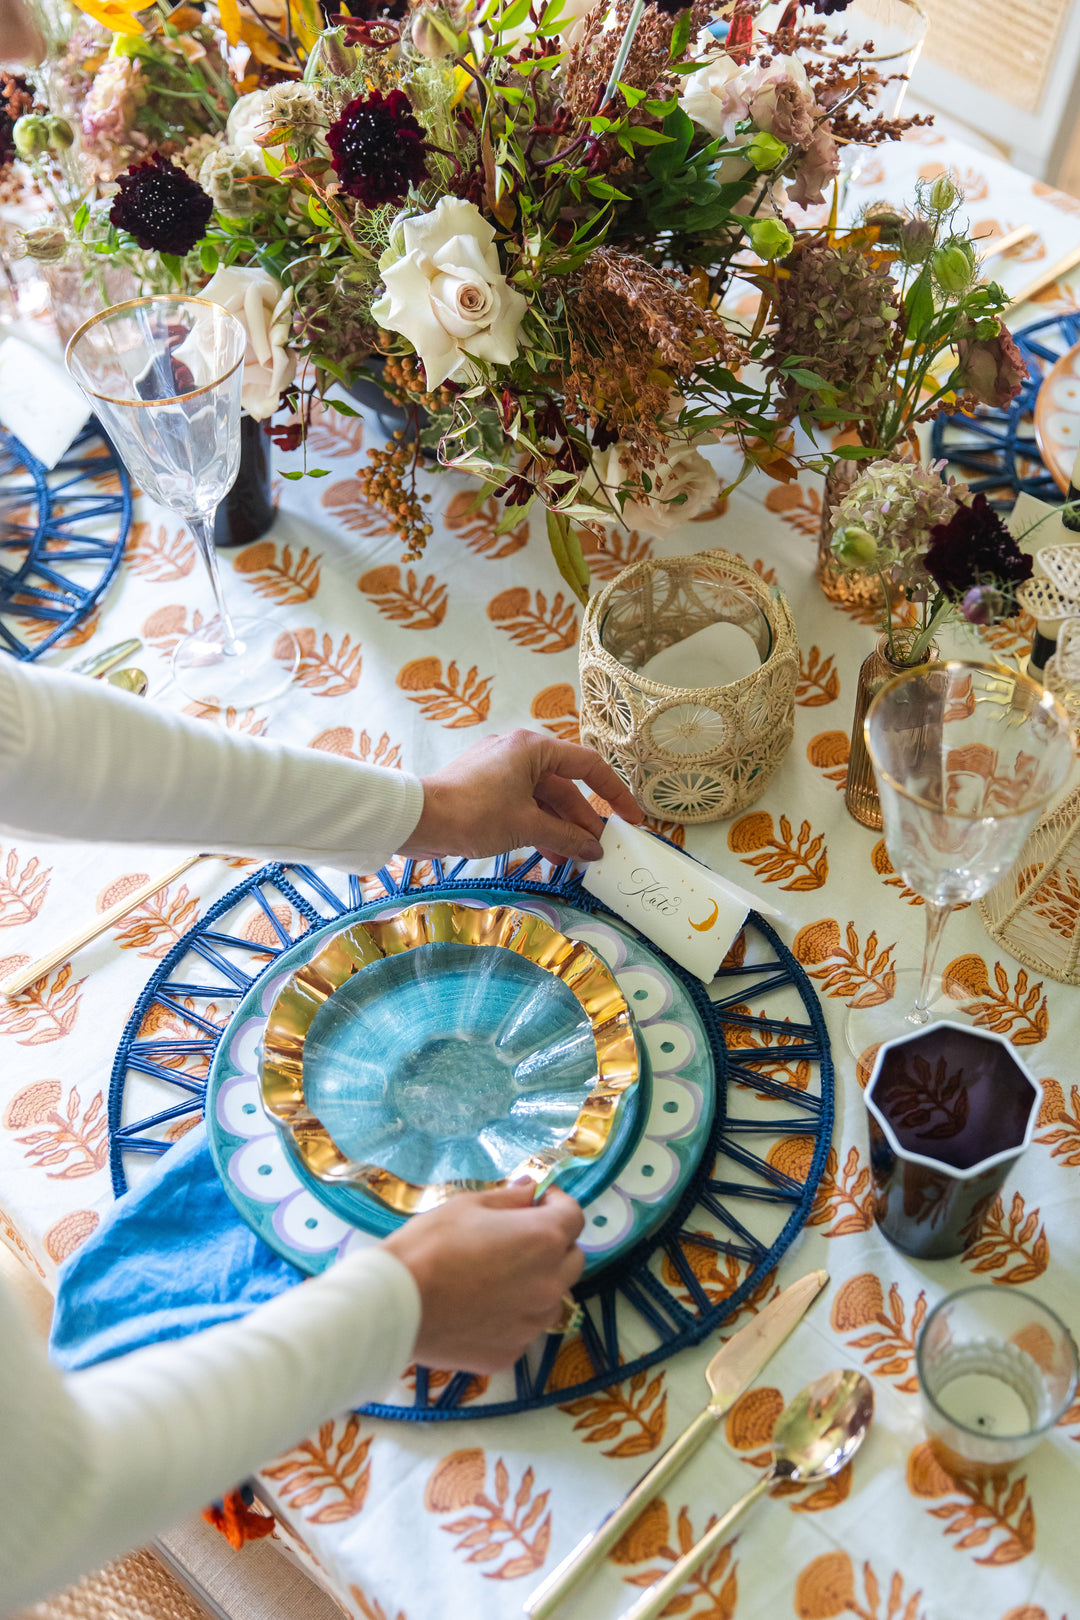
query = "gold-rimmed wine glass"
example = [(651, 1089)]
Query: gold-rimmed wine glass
[(966, 756), (163, 375)]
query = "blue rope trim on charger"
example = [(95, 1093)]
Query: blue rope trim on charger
[(56, 569), (989, 447), (629, 1279)]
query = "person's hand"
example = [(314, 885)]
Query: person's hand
[(492, 1269), (515, 791)]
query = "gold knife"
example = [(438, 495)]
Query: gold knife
[(731, 1371)]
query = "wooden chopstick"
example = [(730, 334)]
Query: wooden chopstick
[(1045, 277), (24, 977)]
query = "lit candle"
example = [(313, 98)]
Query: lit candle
[(985, 1404), (715, 656)]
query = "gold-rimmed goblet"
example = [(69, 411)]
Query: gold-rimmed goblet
[(966, 757), (163, 376)]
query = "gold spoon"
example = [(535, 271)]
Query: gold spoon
[(129, 680), (815, 1436)]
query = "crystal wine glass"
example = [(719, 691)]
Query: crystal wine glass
[(965, 756), (163, 375)]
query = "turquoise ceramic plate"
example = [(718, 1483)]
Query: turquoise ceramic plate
[(653, 1153)]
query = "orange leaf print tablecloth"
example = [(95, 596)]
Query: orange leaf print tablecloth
[(404, 664)]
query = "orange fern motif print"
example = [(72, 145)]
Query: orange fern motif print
[(482, 526), (797, 861), (370, 1608), (22, 891), (324, 671), (828, 753), (818, 681), (292, 577), (631, 1416), (454, 701), (827, 1588), (1064, 1140), (62, 1139), (321, 1468), (609, 551), (543, 628), (46, 1011), (650, 1538), (349, 744), (497, 1523), (797, 506), (991, 1513), (1003, 1239), (845, 1199), (352, 509), (889, 1349), (557, 707), (1019, 1011), (862, 976), (412, 604), (161, 556), (153, 928), (329, 433)]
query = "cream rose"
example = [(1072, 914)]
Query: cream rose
[(715, 97), (263, 306), (446, 293), (685, 472), (249, 118)]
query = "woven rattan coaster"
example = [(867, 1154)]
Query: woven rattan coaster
[(134, 1588)]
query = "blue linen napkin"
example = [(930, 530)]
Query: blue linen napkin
[(169, 1258)]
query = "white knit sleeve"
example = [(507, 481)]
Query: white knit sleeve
[(79, 759), (97, 1462)]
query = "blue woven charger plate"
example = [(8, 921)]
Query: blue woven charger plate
[(746, 1199), (995, 451), (62, 535)]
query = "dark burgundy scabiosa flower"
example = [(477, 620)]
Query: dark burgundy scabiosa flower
[(378, 148), (161, 207), (975, 548), (825, 8), (671, 8)]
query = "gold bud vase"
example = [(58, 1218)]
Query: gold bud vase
[(860, 794)]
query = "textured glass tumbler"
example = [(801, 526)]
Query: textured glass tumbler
[(996, 1371), (164, 375)]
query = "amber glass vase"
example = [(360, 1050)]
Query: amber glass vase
[(847, 587), (861, 795)]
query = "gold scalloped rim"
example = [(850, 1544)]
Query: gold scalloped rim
[(281, 1064)]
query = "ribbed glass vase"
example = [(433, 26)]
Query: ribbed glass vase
[(860, 794), (847, 587)]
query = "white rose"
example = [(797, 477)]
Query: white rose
[(250, 117), (684, 472), (715, 96), (263, 306), (446, 293)]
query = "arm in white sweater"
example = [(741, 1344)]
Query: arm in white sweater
[(79, 759), (97, 1462)]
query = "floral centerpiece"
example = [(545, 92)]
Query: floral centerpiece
[(521, 221)]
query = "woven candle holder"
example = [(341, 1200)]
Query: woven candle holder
[(689, 754)]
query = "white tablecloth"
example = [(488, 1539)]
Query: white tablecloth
[(405, 665)]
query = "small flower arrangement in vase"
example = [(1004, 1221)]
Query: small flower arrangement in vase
[(940, 556), (880, 329)]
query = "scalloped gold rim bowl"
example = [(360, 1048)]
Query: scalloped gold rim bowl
[(281, 1065)]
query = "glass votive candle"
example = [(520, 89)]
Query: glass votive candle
[(688, 673), (996, 1371)]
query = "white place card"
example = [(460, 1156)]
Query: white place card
[(680, 905), (39, 403)]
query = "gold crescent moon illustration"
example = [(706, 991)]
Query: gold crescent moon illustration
[(702, 926)]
